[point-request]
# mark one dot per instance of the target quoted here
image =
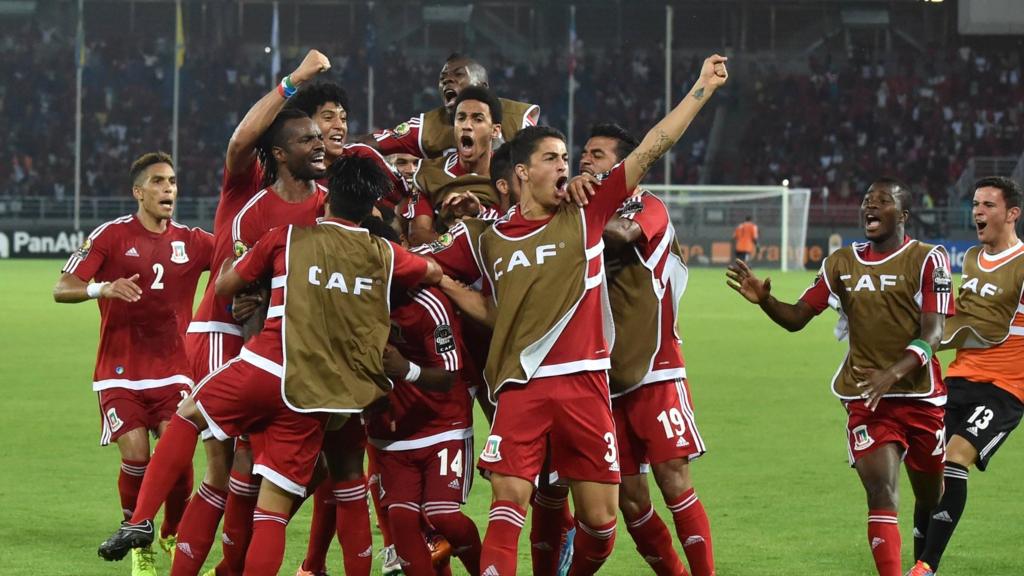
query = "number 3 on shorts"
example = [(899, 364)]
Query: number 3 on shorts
[(612, 456)]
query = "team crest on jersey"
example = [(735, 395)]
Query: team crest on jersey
[(113, 421), (443, 241), (178, 254), (861, 438), (402, 129), (444, 339), (84, 249), (492, 452), (240, 249), (942, 282)]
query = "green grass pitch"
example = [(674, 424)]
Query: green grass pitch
[(775, 481)]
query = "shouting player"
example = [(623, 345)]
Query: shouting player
[(440, 181), (430, 134), (146, 268), (985, 381), (301, 366), (542, 263), (893, 295), (654, 417)]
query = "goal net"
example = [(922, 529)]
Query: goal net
[(705, 218)]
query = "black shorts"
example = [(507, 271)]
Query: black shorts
[(981, 413)]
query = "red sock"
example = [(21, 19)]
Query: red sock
[(197, 529), (459, 530), (243, 490), (654, 543), (884, 539), (409, 543), (129, 481), (266, 551), (694, 531), (505, 522), (174, 506), (547, 532), (353, 523), (592, 547), (321, 528), (172, 457)]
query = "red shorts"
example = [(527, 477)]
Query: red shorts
[(239, 398), (208, 351), (122, 409), (569, 414), (439, 473), (654, 424), (351, 437), (916, 426)]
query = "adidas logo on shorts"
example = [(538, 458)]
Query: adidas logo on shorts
[(682, 443), (454, 485), (973, 430)]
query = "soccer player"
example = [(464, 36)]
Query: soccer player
[(340, 505), (654, 416), (302, 366), (214, 336), (429, 135), (542, 262), (745, 237), (477, 123), (985, 381), (423, 433), (146, 268), (893, 294)]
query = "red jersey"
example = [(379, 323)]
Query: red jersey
[(929, 300), (214, 314), (426, 330), (581, 345), (142, 344), (669, 276), (269, 259)]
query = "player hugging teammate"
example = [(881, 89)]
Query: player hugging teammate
[(320, 334)]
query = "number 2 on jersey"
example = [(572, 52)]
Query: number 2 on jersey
[(672, 421), (158, 282)]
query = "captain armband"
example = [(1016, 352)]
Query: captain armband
[(921, 349)]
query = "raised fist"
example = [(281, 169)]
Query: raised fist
[(314, 63), (713, 73)]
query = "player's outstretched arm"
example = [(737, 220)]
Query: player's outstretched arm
[(876, 383), (472, 303), (792, 317), (431, 379), (620, 232), (229, 281), (242, 145), (713, 74), (71, 289)]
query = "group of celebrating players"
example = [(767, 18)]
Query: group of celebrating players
[(362, 295)]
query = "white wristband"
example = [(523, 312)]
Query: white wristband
[(93, 290), (414, 372)]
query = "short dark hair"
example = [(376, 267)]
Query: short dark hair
[(1008, 186), (354, 184), (501, 164), (526, 141), (626, 142), (274, 136), (145, 161), (311, 97), (900, 190), (475, 69), (481, 94)]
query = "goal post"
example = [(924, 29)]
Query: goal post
[(707, 215)]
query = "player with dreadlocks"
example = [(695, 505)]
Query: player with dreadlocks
[(214, 336)]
